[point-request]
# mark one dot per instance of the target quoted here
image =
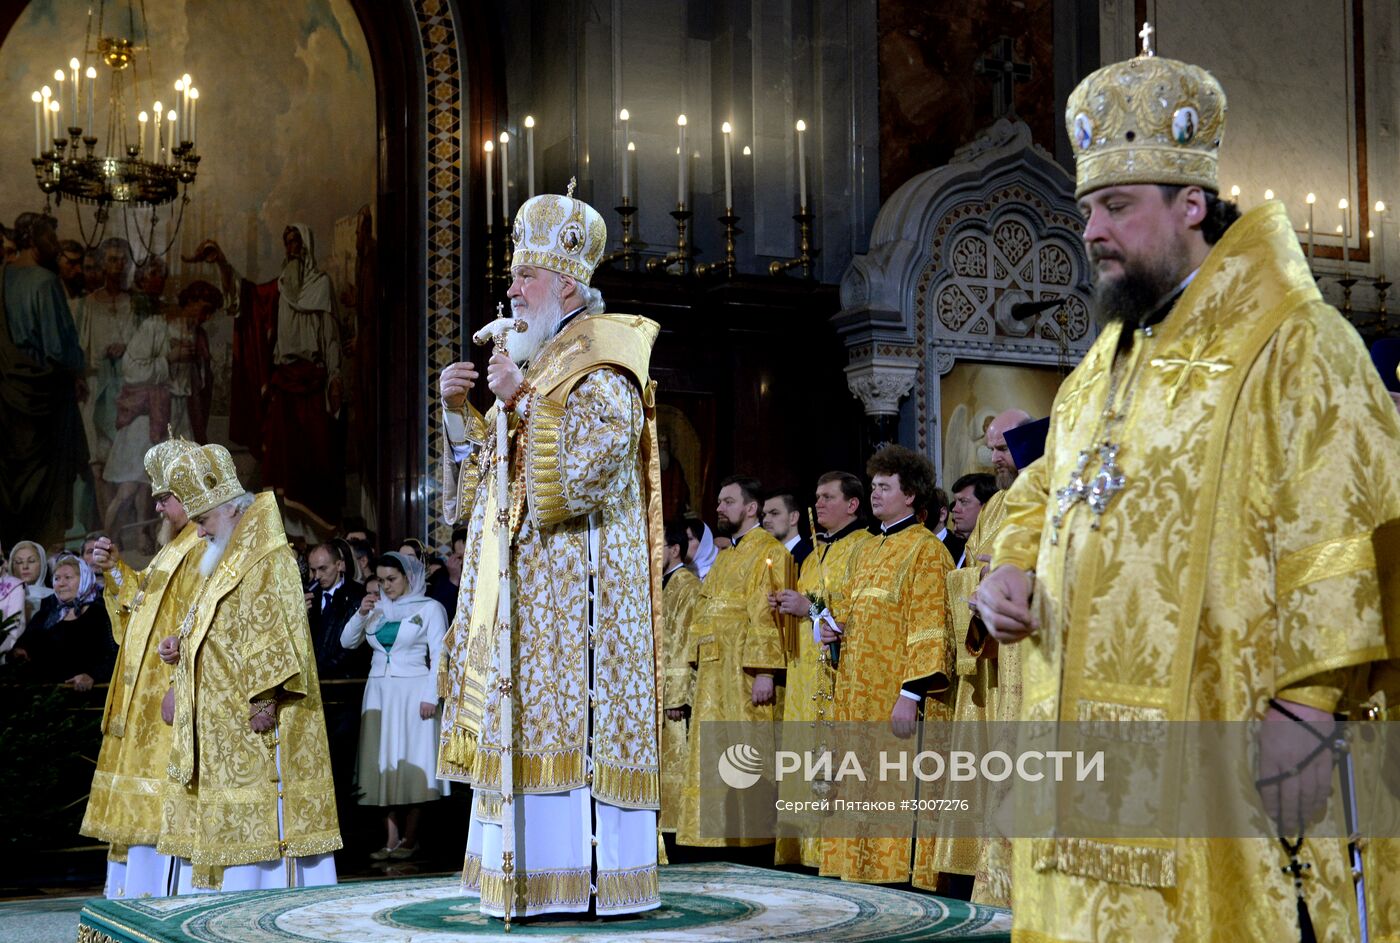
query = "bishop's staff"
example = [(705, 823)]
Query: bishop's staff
[(496, 332)]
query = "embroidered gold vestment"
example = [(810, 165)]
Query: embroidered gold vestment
[(244, 639), (124, 806), (897, 632), (1261, 454), (681, 593), (811, 683), (734, 636)]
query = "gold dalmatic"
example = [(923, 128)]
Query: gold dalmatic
[(1218, 578), (124, 806), (679, 597)]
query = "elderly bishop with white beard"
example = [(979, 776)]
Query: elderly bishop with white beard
[(584, 565)]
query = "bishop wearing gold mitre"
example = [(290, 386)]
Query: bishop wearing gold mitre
[(680, 591), (739, 647), (584, 557), (986, 690), (252, 804), (895, 652), (1212, 532), (124, 806), (822, 593)]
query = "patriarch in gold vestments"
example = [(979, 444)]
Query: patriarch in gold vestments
[(1229, 566), (680, 591), (895, 655), (124, 806), (252, 804), (740, 648), (809, 696), (584, 559)]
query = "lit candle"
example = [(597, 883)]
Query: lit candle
[(682, 159), (142, 121), (75, 69), (489, 147), (747, 151), (1312, 198), (1380, 238), (170, 144), (772, 578), (186, 83), (1268, 194), (1235, 194), (728, 130), (530, 154), (801, 166), (91, 91), (38, 123), (627, 150), (58, 78), (180, 96), (193, 112), (158, 132), (505, 177), (1346, 232), (628, 161), (56, 120)]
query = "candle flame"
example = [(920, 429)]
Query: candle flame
[(1268, 194), (1342, 204), (1380, 206), (490, 146), (505, 137), (36, 97), (91, 72), (179, 85), (801, 125), (185, 79), (1235, 191), (58, 75), (769, 561), (680, 120), (46, 92), (194, 94), (1339, 230), (727, 128), (143, 117), (1312, 198), (74, 63), (529, 121), (632, 146), (624, 115), (747, 151), (53, 105)]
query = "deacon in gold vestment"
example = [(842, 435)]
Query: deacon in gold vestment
[(985, 678), (585, 562), (124, 806), (809, 696), (895, 655), (252, 804), (740, 648), (1249, 457), (680, 591)]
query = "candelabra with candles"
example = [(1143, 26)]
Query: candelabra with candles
[(729, 264), (681, 257), (627, 255), (805, 252)]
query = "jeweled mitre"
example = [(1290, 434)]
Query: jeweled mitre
[(559, 233), (203, 479), (159, 457), (1147, 120)]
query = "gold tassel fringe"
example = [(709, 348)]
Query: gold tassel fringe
[(1118, 864)]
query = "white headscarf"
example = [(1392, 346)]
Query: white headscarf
[(35, 592), (314, 292), (407, 605), (705, 555)]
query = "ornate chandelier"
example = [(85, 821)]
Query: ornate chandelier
[(140, 163)]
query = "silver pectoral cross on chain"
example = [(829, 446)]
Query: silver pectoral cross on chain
[(1096, 491)]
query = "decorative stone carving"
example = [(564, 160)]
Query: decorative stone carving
[(881, 382)]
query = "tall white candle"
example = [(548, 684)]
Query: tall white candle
[(38, 101), (170, 119), (75, 69), (1380, 238), (59, 78), (157, 132), (682, 160), (505, 177), (55, 119), (193, 114), (186, 83), (489, 147), (530, 155), (624, 117), (142, 121), (178, 108), (1312, 198), (91, 91), (629, 163), (1346, 233), (801, 166), (728, 131)]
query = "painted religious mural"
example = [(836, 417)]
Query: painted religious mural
[(243, 316)]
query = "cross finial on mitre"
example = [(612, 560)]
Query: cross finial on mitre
[(1146, 35), (573, 182)]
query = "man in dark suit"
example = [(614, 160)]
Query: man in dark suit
[(332, 599)]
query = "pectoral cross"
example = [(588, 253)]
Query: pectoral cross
[(1184, 367), (1097, 491), (1145, 34)]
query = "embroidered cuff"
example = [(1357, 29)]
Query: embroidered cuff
[(544, 462), (464, 426)]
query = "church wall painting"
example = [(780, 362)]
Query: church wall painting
[(287, 135), (973, 394)]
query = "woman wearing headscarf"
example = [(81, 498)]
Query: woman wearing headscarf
[(12, 614), (69, 639), (30, 564), (399, 718), (702, 546)]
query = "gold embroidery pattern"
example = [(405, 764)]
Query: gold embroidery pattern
[(1325, 561), (542, 889), (630, 889)]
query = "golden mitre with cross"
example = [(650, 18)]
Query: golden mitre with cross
[(159, 458), (203, 479), (559, 233), (1147, 120)]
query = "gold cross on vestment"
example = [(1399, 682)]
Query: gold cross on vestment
[(1184, 367)]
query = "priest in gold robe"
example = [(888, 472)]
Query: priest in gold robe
[(585, 559), (740, 648), (983, 680), (251, 804), (1206, 530), (895, 657), (822, 592), (680, 591), (124, 805)]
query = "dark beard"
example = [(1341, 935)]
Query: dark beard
[(1136, 295), (725, 527), (1005, 478)]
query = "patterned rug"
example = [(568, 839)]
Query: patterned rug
[(700, 902)]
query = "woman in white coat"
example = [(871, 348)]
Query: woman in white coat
[(399, 722)]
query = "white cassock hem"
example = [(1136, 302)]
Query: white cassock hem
[(312, 871), (144, 873)]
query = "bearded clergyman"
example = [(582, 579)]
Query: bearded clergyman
[(251, 804), (585, 566)]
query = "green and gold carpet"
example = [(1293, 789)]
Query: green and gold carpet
[(708, 903)]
